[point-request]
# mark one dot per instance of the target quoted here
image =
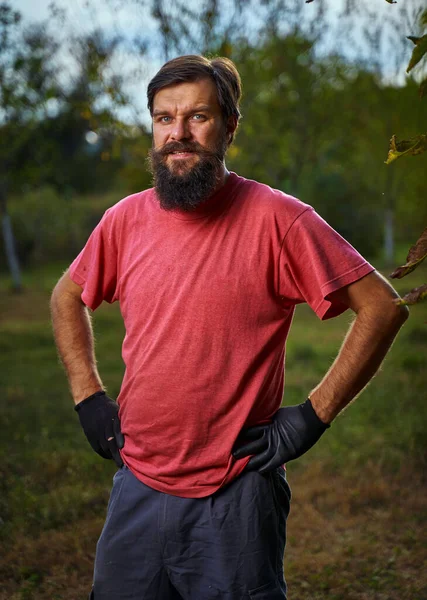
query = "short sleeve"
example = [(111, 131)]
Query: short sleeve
[(95, 268), (315, 261)]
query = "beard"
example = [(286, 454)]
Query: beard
[(180, 185)]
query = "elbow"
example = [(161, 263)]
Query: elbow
[(388, 312), (402, 313), (66, 291), (396, 314)]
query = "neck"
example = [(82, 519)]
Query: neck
[(223, 178)]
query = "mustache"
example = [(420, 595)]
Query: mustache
[(183, 147)]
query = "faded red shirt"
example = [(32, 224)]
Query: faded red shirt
[(207, 300)]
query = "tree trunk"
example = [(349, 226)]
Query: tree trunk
[(9, 243), (389, 210), (389, 236)]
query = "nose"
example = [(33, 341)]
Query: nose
[(180, 130)]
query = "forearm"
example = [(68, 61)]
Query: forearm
[(75, 342), (364, 348)]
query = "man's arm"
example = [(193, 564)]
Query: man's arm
[(74, 338), (72, 328), (295, 429), (378, 319)]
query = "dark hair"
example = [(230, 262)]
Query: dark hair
[(221, 70)]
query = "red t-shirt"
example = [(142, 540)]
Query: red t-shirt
[(207, 300)]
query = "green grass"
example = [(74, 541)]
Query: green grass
[(357, 526)]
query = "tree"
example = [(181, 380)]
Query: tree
[(57, 119), (314, 117), (27, 82)]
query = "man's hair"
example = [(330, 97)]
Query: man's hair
[(222, 71)]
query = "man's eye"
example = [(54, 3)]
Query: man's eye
[(199, 117), (164, 119)]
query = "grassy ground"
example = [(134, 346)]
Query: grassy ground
[(357, 528)]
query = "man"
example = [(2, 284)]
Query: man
[(208, 267)]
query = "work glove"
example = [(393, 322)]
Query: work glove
[(99, 417), (293, 431)]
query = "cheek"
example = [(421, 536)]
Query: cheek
[(159, 138), (210, 137)]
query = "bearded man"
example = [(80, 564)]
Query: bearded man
[(208, 267)]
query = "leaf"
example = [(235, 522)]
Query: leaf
[(308, 1), (418, 52), (423, 88), (417, 253), (413, 146), (418, 294), (391, 1)]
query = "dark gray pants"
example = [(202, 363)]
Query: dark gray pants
[(227, 546)]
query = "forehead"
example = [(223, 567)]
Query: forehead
[(187, 95)]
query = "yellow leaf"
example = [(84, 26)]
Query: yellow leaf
[(418, 294), (418, 52), (413, 146)]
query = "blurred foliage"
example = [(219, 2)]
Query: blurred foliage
[(417, 144), (316, 128), (49, 225), (414, 146), (315, 122), (44, 123)]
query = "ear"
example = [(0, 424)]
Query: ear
[(231, 128)]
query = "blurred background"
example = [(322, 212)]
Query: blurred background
[(325, 87)]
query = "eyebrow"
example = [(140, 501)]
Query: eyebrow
[(201, 108)]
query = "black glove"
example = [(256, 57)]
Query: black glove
[(99, 418), (294, 430)]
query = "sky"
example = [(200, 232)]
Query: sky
[(103, 13)]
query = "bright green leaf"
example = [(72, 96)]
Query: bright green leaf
[(418, 52), (418, 294), (417, 253), (413, 146)]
